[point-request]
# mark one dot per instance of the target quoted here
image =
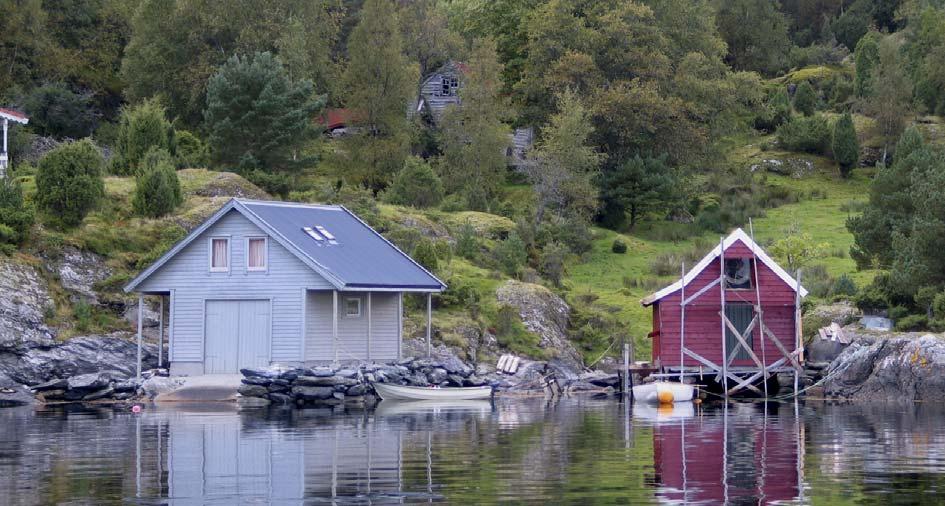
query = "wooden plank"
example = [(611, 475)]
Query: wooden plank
[(708, 363), (701, 291), (741, 339), (752, 378), (780, 347)]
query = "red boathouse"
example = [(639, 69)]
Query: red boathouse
[(734, 315)]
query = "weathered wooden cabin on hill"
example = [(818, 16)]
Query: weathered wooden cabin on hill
[(734, 315)]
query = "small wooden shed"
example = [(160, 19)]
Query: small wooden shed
[(734, 315)]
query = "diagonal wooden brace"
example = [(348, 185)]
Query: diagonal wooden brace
[(780, 347), (708, 363), (743, 342), (751, 379)]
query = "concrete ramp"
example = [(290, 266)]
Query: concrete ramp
[(206, 388)]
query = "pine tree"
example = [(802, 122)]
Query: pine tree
[(805, 100), (417, 185), (380, 82), (846, 148), (867, 56), (69, 182), (141, 128), (258, 117), (474, 137), (157, 191)]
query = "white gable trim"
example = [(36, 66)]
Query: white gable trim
[(737, 235), (14, 118), (252, 217)]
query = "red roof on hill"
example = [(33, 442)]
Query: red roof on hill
[(13, 115), (335, 118)]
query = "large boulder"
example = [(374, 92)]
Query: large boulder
[(900, 368), (544, 314), (24, 297), (80, 355)]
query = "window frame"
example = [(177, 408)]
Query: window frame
[(265, 266), (349, 300), (229, 253), (751, 274)]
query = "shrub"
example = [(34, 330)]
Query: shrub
[(467, 242), (775, 112), (16, 217), (511, 254), (271, 182), (416, 185), (552, 262), (511, 333), (405, 238), (157, 190), (140, 129), (912, 323), (425, 254), (190, 150), (69, 182), (938, 306), (870, 298), (846, 148), (805, 99), (808, 134), (844, 286), (618, 247)]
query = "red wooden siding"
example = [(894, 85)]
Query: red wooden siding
[(704, 324)]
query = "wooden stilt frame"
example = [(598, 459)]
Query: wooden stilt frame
[(682, 318), (758, 306)]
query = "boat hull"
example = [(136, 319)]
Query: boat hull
[(407, 393), (650, 392)]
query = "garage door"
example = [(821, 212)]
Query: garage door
[(237, 335)]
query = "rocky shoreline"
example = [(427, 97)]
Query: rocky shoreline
[(333, 385)]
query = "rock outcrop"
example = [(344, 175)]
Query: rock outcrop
[(23, 299), (901, 368), (544, 314), (31, 365), (78, 271)]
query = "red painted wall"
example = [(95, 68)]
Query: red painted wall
[(704, 324)]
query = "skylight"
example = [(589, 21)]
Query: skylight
[(325, 233), (313, 234)]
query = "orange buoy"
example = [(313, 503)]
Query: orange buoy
[(665, 397), (697, 400)]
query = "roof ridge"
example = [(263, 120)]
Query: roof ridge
[(280, 203)]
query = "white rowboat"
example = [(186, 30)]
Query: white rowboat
[(652, 392), (405, 393)]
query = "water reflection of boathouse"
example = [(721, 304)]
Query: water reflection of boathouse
[(739, 455)]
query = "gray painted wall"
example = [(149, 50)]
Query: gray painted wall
[(352, 331), (284, 283)]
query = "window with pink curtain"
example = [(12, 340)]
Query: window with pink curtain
[(219, 260), (257, 254)]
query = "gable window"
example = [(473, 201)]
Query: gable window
[(353, 307), (256, 254), (738, 273), (219, 254)]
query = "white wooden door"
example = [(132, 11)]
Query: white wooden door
[(237, 335)]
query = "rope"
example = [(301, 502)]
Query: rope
[(602, 355)]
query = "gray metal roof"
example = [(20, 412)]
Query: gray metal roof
[(358, 258)]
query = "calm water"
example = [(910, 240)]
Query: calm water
[(580, 451)]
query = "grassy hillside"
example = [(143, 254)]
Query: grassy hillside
[(603, 287)]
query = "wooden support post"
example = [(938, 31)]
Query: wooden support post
[(334, 322), (161, 333), (429, 325), (627, 382), (140, 329), (798, 336), (758, 307), (682, 316), (370, 325), (722, 297), (400, 323)]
